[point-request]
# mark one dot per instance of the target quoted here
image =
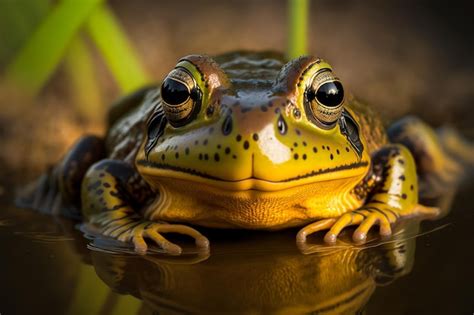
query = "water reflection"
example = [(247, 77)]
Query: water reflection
[(246, 272), (260, 273)]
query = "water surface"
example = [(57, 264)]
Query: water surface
[(49, 267)]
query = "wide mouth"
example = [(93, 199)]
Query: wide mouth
[(164, 171)]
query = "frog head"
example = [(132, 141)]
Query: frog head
[(251, 122)]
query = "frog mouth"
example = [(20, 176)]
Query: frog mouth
[(163, 171)]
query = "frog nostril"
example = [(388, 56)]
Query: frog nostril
[(281, 124), (227, 125)]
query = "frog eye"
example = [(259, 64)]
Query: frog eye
[(324, 99), (181, 97)]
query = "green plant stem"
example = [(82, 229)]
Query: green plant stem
[(298, 25), (116, 49), (41, 54), (84, 86)]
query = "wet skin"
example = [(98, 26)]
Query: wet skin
[(248, 141)]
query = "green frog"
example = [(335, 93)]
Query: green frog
[(244, 140)]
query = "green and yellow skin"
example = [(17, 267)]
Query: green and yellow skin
[(247, 141)]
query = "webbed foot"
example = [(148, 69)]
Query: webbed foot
[(130, 228), (365, 217), (154, 231)]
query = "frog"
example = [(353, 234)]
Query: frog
[(250, 141)]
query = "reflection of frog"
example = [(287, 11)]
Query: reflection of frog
[(244, 141), (260, 274)]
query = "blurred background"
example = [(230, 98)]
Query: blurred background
[(62, 63)]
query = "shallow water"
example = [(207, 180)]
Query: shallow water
[(49, 267)]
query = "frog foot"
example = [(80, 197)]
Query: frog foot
[(366, 217), (153, 231)]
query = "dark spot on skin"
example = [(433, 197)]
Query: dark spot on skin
[(401, 161), (176, 155), (99, 191), (292, 149), (186, 151), (323, 147), (227, 125), (211, 130), (162, 157), (331, 156), (281, 124), (304, 156), (238, 138), (219, 146), (298, 132), (101, 175), (210, 111), (263, 108), (255, 137), (216, 157), (296, 156), (337, 151), (411, 187), (295, 144), (315, 150), (106, 185), (246, 145), (205, 142), (297, 113), (402, 177), (329, 149), (404, 196), (304, 143), (200, 156), (234, 156), (114, 193), (206, 157), (347, 149), (227, 150)]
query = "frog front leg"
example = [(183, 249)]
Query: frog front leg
[(112, 194), (394, 195)]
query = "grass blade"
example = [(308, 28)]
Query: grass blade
[(43, 51), (298, 25), (116, 49)]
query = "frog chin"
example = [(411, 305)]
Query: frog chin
[(161, 173)]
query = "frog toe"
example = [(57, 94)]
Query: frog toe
[(360, 234), (154, 233), (313, 228), (344, 221)]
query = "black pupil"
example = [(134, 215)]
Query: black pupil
[(330, 94), (174, 92)]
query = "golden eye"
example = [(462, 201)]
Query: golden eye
[(324, 98), (181, 97)]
